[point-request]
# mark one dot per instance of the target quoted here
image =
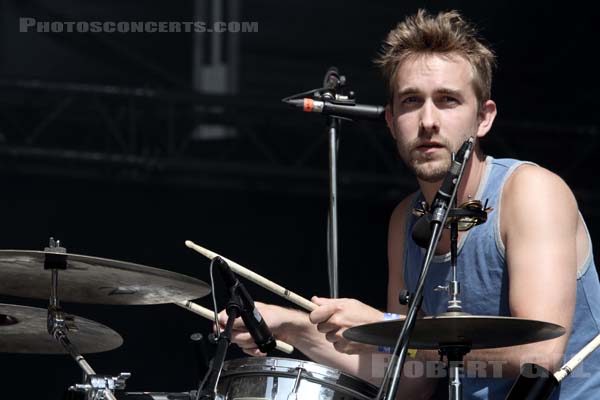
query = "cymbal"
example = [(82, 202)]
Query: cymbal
[(23, 330), (95, 280), (475, 331)]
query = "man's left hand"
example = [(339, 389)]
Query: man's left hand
[(334, 316)]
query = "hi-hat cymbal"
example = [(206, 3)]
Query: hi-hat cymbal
[(95, 280), (23, 330), (475, 331)]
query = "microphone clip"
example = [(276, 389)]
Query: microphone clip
[(345, 99), (334, 90), (468, 215), (333, 85)]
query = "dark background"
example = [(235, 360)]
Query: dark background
[(97, 149)]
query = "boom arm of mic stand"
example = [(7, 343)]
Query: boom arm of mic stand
[(401, 348)]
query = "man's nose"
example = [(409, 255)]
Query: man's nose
[(429, 118)]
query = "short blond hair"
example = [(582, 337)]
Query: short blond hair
[(447, 33)]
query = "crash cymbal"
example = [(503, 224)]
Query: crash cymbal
[(95, 280), (475, 331), (23, 330)]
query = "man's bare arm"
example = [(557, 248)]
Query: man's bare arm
[(539, 221)]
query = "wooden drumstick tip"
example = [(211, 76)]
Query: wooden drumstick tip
[(209, 314), (284, 347), (189, 244)]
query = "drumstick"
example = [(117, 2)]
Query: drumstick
[(566, 369), (256, 278), (208, 314)]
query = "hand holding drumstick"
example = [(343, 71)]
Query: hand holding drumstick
[(330, 316), (208, 314)]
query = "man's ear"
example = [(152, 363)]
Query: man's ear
[(487, 114)]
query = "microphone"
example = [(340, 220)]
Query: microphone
[(421, 232), (255, 323), (357, 111), (442, 199)]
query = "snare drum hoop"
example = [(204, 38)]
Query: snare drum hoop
[(317, 373)]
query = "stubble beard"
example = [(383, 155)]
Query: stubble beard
[(431, 167)]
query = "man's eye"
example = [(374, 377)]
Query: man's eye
[(410, 100), (449, 100)]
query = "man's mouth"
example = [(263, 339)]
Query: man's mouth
[(429, 147)]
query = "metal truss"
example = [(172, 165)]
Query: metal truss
[(179, 136), (148, 135), (255, 144)]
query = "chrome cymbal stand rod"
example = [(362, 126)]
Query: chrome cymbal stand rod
[(95, 387), (455, 355), (453, 287), (454, 304)]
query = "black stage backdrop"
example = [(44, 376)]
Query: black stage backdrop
[(102, 145)]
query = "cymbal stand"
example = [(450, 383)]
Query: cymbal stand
[(454, 305), (95, 387), (453, 287), (454, 353)]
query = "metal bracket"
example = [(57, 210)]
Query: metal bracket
[(96, 385)]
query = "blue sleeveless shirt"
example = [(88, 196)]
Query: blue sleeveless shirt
[(482, 272)]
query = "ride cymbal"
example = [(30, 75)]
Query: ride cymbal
[(474, 331), (94, 280)]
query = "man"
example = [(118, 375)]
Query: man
[(532, 259)]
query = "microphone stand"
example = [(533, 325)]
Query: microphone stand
[(207, 389), (389, 386), (332, 231), (332, 98), (331, 83)]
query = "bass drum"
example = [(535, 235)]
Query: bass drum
[(287, 379)]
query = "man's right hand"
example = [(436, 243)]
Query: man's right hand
[(279, 320)]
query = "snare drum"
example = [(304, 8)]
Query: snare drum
[(157, 396), (286, 379)]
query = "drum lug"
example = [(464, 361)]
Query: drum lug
[(294, 394)]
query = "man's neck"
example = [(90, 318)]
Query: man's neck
[(469, 184)]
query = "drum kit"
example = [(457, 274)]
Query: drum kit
[(56, 275)]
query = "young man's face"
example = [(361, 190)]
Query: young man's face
[(434, 111)]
